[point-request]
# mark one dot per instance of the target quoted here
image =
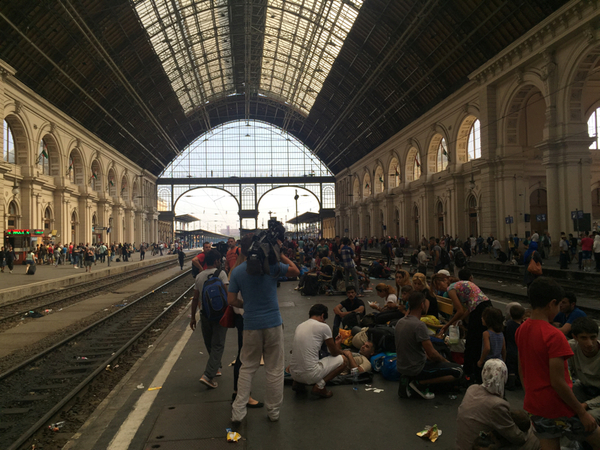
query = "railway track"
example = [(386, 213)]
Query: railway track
[(36, 391), (14, 311)]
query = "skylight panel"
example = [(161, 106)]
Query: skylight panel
[(192, 40), (303, 38)]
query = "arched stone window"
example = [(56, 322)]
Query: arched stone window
[(124, 188), (474, 142), (164, 199), (112, 184), (394, 174), (379, 180), (441, 158), (75, 169), (48, 219), (8, 146), (367, 188), (44, 157), (95, 181), (13, 217)]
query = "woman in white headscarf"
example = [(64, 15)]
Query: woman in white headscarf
[(484, 409)]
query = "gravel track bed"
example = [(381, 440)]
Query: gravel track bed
[(73, 295), (32, 391)]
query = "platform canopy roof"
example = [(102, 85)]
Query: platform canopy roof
[(150, 76), (186, 218)]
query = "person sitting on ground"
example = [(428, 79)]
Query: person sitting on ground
[(543, 353), (306, 367), (484, 409), (417, 360), (568, 313), (388, 293), (402, 279), (352, 305), (419, 283), (585, 364), (405, 292), (517, 312), (362, 359)]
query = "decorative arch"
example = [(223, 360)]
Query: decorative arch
[(584, 62), (379, 181), (112, 183), (413, 165), (124, 192), (328, 197), (13, 217), (53, 152), (76, 168), (356, 190), (367, 185), (219, 189), (21, 139), (96, 176), (515, 107), (394, 173), (48, 218), (468, 134), (437, 154), (291, 186)]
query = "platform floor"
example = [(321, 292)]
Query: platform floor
[(49, 278), (161, 404)]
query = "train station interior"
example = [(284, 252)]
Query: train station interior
[(362, 118)]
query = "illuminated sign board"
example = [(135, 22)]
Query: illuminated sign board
[(24, 232)]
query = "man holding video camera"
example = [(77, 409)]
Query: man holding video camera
[(263, 331)]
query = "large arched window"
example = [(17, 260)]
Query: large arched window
[(44, 158), (441, 159), (379, 180), (13, 219), (417, 167), (8, 146), (394, 174), (47, 219), (246, 149), (593, 129), (95, 182), (474, 143)]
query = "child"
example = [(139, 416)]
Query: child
[(493, 345), (512, 353), (543, 354), (585, 364)]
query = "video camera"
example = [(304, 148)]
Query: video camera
[(265, 249)]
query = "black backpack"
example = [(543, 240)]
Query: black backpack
[(383, 337), (311, 284), (444, 257), (399, 253), (459, 258), (214, 297)]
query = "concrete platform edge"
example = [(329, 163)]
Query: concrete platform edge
[(89, 433)]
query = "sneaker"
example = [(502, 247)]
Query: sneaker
[(425, 394), (209, 383), (218, 374)]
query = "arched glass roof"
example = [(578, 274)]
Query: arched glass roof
[(246, 149), (287, 47)]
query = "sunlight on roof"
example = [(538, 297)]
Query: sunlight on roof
[(246, 149), (302, 41), (192, 40)]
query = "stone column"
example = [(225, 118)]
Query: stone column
[(117, 229), (489, 129)]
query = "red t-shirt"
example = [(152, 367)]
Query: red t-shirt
[(586, 244), (201, 257), (231, 256), (538, 341)]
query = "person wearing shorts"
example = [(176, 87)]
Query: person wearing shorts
[(306, 367), (88, 260), (417, 360), (587, 244)]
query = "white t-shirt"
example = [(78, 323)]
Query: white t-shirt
[(308, 339), (203, 276), (392, 298)]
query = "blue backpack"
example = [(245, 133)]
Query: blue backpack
[(214, 297), (389, 369)]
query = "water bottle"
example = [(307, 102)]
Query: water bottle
[(354, 373)]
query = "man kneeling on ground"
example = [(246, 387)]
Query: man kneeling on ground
[(417, 360), (306, 367)]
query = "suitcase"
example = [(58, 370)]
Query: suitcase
[(32, 269)]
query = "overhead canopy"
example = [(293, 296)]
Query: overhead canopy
[(311, 217), (149, 76), (186, 218)]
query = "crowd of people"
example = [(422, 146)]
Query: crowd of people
[(82, 255), (520, 348)]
